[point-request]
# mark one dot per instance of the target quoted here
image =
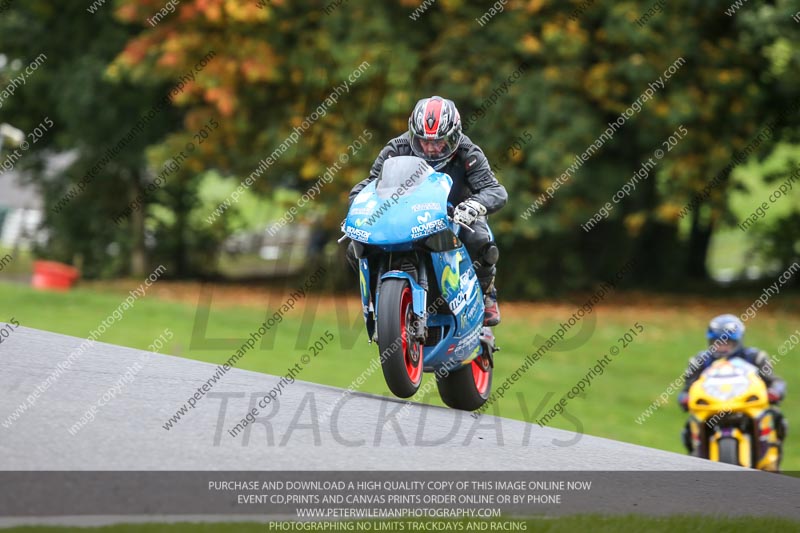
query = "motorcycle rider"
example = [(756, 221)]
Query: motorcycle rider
[(725, 338), (434, 134)]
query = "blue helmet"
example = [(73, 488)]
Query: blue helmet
[(723, 328)]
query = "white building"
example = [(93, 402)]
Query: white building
[(21, 206), (20, 212)]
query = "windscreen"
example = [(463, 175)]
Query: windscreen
[(401, 175)]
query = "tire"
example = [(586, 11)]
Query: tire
[(468, 388), (729, 451), (401, 361)]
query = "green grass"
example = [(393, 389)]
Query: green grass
[(15, 263), (570, 524), (609, 409)]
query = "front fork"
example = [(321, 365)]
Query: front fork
[(367, 305), (420, 322), (768, 432), (420, 317), (694, 437)]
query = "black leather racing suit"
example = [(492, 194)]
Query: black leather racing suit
[(472, 178)]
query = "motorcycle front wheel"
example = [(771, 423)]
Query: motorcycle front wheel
[(400, 354), (728, 451)]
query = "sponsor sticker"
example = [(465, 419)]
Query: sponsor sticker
[(357, 234), (363, 196), (366, 210), (468, 341), (428, 228), (431, 206)]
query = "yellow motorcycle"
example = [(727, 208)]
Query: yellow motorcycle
[(730, 417)]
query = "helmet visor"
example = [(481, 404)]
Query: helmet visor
[(722, 347), (434, 149)]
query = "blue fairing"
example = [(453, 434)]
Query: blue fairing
[(460, 288), (397, 209), (363, 278)]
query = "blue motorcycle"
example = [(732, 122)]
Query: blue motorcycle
[(420, 296)]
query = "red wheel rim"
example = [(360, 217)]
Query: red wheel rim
[(412, 351), (480, 377)]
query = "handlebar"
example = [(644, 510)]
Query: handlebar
[(451, 219), (341, 228)]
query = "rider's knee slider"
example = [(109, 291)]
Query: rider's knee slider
[(490, 254)]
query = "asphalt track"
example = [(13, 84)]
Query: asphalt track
[(366, 433)]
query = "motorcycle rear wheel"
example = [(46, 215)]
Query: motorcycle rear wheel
[(467, 388), (400, 354)]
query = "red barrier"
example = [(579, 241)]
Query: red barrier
[(52, 275)]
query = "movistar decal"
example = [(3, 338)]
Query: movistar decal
[(450, 281)]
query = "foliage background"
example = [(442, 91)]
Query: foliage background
[(276, 61)]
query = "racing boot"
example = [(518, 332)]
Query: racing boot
[(491, 311)]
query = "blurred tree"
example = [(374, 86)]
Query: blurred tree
[(586, 71), (537, 83), (557, 73), (91, 115)]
